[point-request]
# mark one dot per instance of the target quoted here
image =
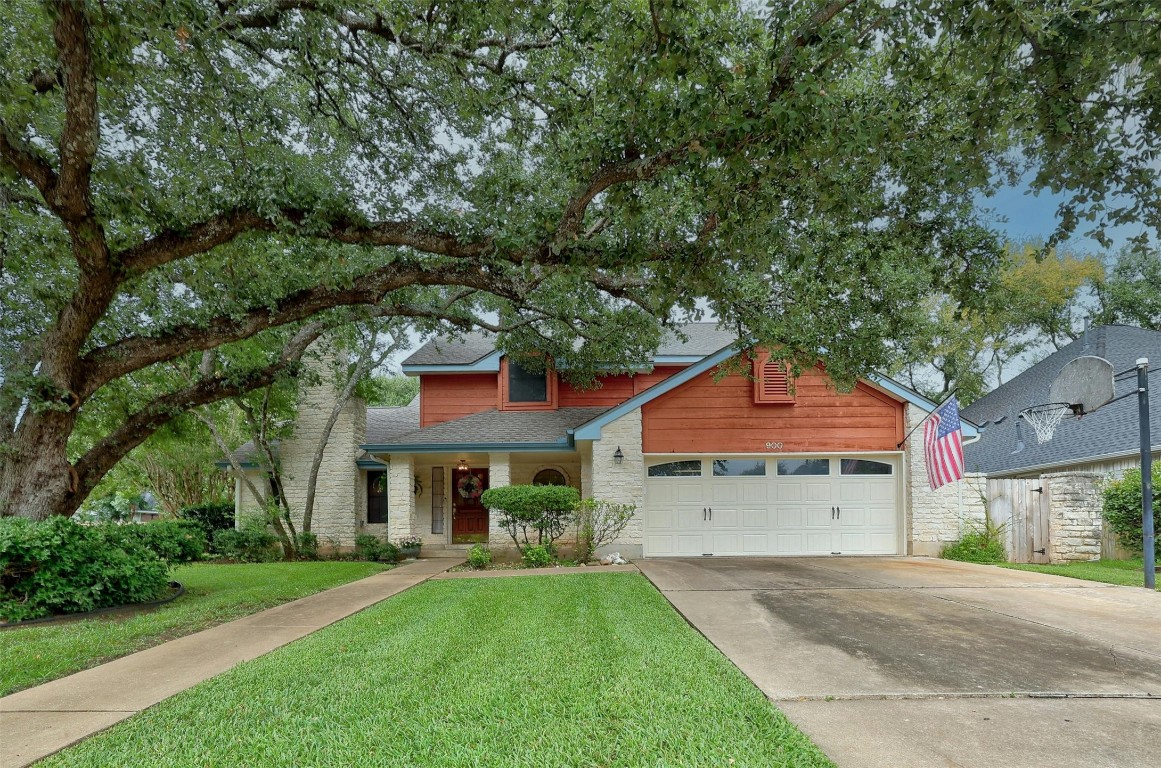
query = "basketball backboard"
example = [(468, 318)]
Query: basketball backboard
[(1085, 383)]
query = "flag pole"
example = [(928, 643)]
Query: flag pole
[(950, 395)]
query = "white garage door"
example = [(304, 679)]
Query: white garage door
[(771, 506)]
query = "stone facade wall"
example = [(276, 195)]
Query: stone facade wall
[(1074, 516), (934, 518), (337, 490), (499, 475), (401, 512), (623, 483)]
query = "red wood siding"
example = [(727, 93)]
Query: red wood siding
[(443, 397), (642, 381), (613, 390), (702, 416)]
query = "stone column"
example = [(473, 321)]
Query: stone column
[(400, 499), (1075, 525), (499, 475), (935, 518), (622, 483)]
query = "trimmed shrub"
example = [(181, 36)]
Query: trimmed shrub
[(598, 524), (537, 556), (1122, 509), (212, 517), (479, 556), (175, 541), (372, 548), (250, 544), (59, 566), (544, 510)]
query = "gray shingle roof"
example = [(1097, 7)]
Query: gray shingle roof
[(494, 426), (1110, 430), (386, 424), (463, 351), (704, 339)]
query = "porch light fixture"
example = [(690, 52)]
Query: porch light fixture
[(618, 457), (463, 465)]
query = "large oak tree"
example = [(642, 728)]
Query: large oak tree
[(193, 191)]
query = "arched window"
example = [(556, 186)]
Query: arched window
[(550, 476)]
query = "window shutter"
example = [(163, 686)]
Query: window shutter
[(771, 381)]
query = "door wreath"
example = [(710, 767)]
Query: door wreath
[(470, 487)]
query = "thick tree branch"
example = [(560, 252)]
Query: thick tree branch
[(105, 364), (81, 132), (173, 245), (27, 163), (139, 426)]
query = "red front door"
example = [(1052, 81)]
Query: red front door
[(469, 518)]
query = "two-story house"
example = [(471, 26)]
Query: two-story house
[(744, 465)]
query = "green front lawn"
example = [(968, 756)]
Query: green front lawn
[(214, 594), (585, 670), (1129, 573)]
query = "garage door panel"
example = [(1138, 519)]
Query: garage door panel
[(757, 518), (788, 491), (724, 492), (817, 490), (755, 544), (724, 518), (660, 519), (772, 515), (755, 493), (789, 517)]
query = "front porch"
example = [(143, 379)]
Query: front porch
[(435, 496)]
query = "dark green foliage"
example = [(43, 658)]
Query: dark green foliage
[(59, 566), (537, 556), (175, 541), (307, 546), (374, 549), (1122, 508), (251, 543), (479, 556), (212, 517), (975, 547), (522, 509)]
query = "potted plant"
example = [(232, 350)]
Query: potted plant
[(409, 546)]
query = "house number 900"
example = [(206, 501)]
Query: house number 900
[(773, 446)]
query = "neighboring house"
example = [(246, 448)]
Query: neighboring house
[(1049, 495), (1105, 442), (740, 466)]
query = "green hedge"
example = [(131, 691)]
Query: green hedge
[(212, 517), (533, 515), (1122, 509), (175, 541), (59, 566)]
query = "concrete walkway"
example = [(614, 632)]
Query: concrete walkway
[(920, 662), (42, 720)]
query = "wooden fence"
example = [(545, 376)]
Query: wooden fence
[(1021, 505)]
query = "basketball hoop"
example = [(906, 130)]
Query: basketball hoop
[(1044, 418)]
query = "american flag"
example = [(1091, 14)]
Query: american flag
[(943, 445)]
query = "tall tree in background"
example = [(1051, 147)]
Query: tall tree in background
[(1039, 300), (194, 175), (1131, 293)]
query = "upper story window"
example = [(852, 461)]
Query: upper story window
[(522, 389), (525, 386), (771, 381)]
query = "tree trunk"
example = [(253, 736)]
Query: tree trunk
[(36, 481)]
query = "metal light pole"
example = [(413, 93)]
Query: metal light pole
[(1146, 475)]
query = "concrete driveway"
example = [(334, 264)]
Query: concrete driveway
[(922, 662)]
